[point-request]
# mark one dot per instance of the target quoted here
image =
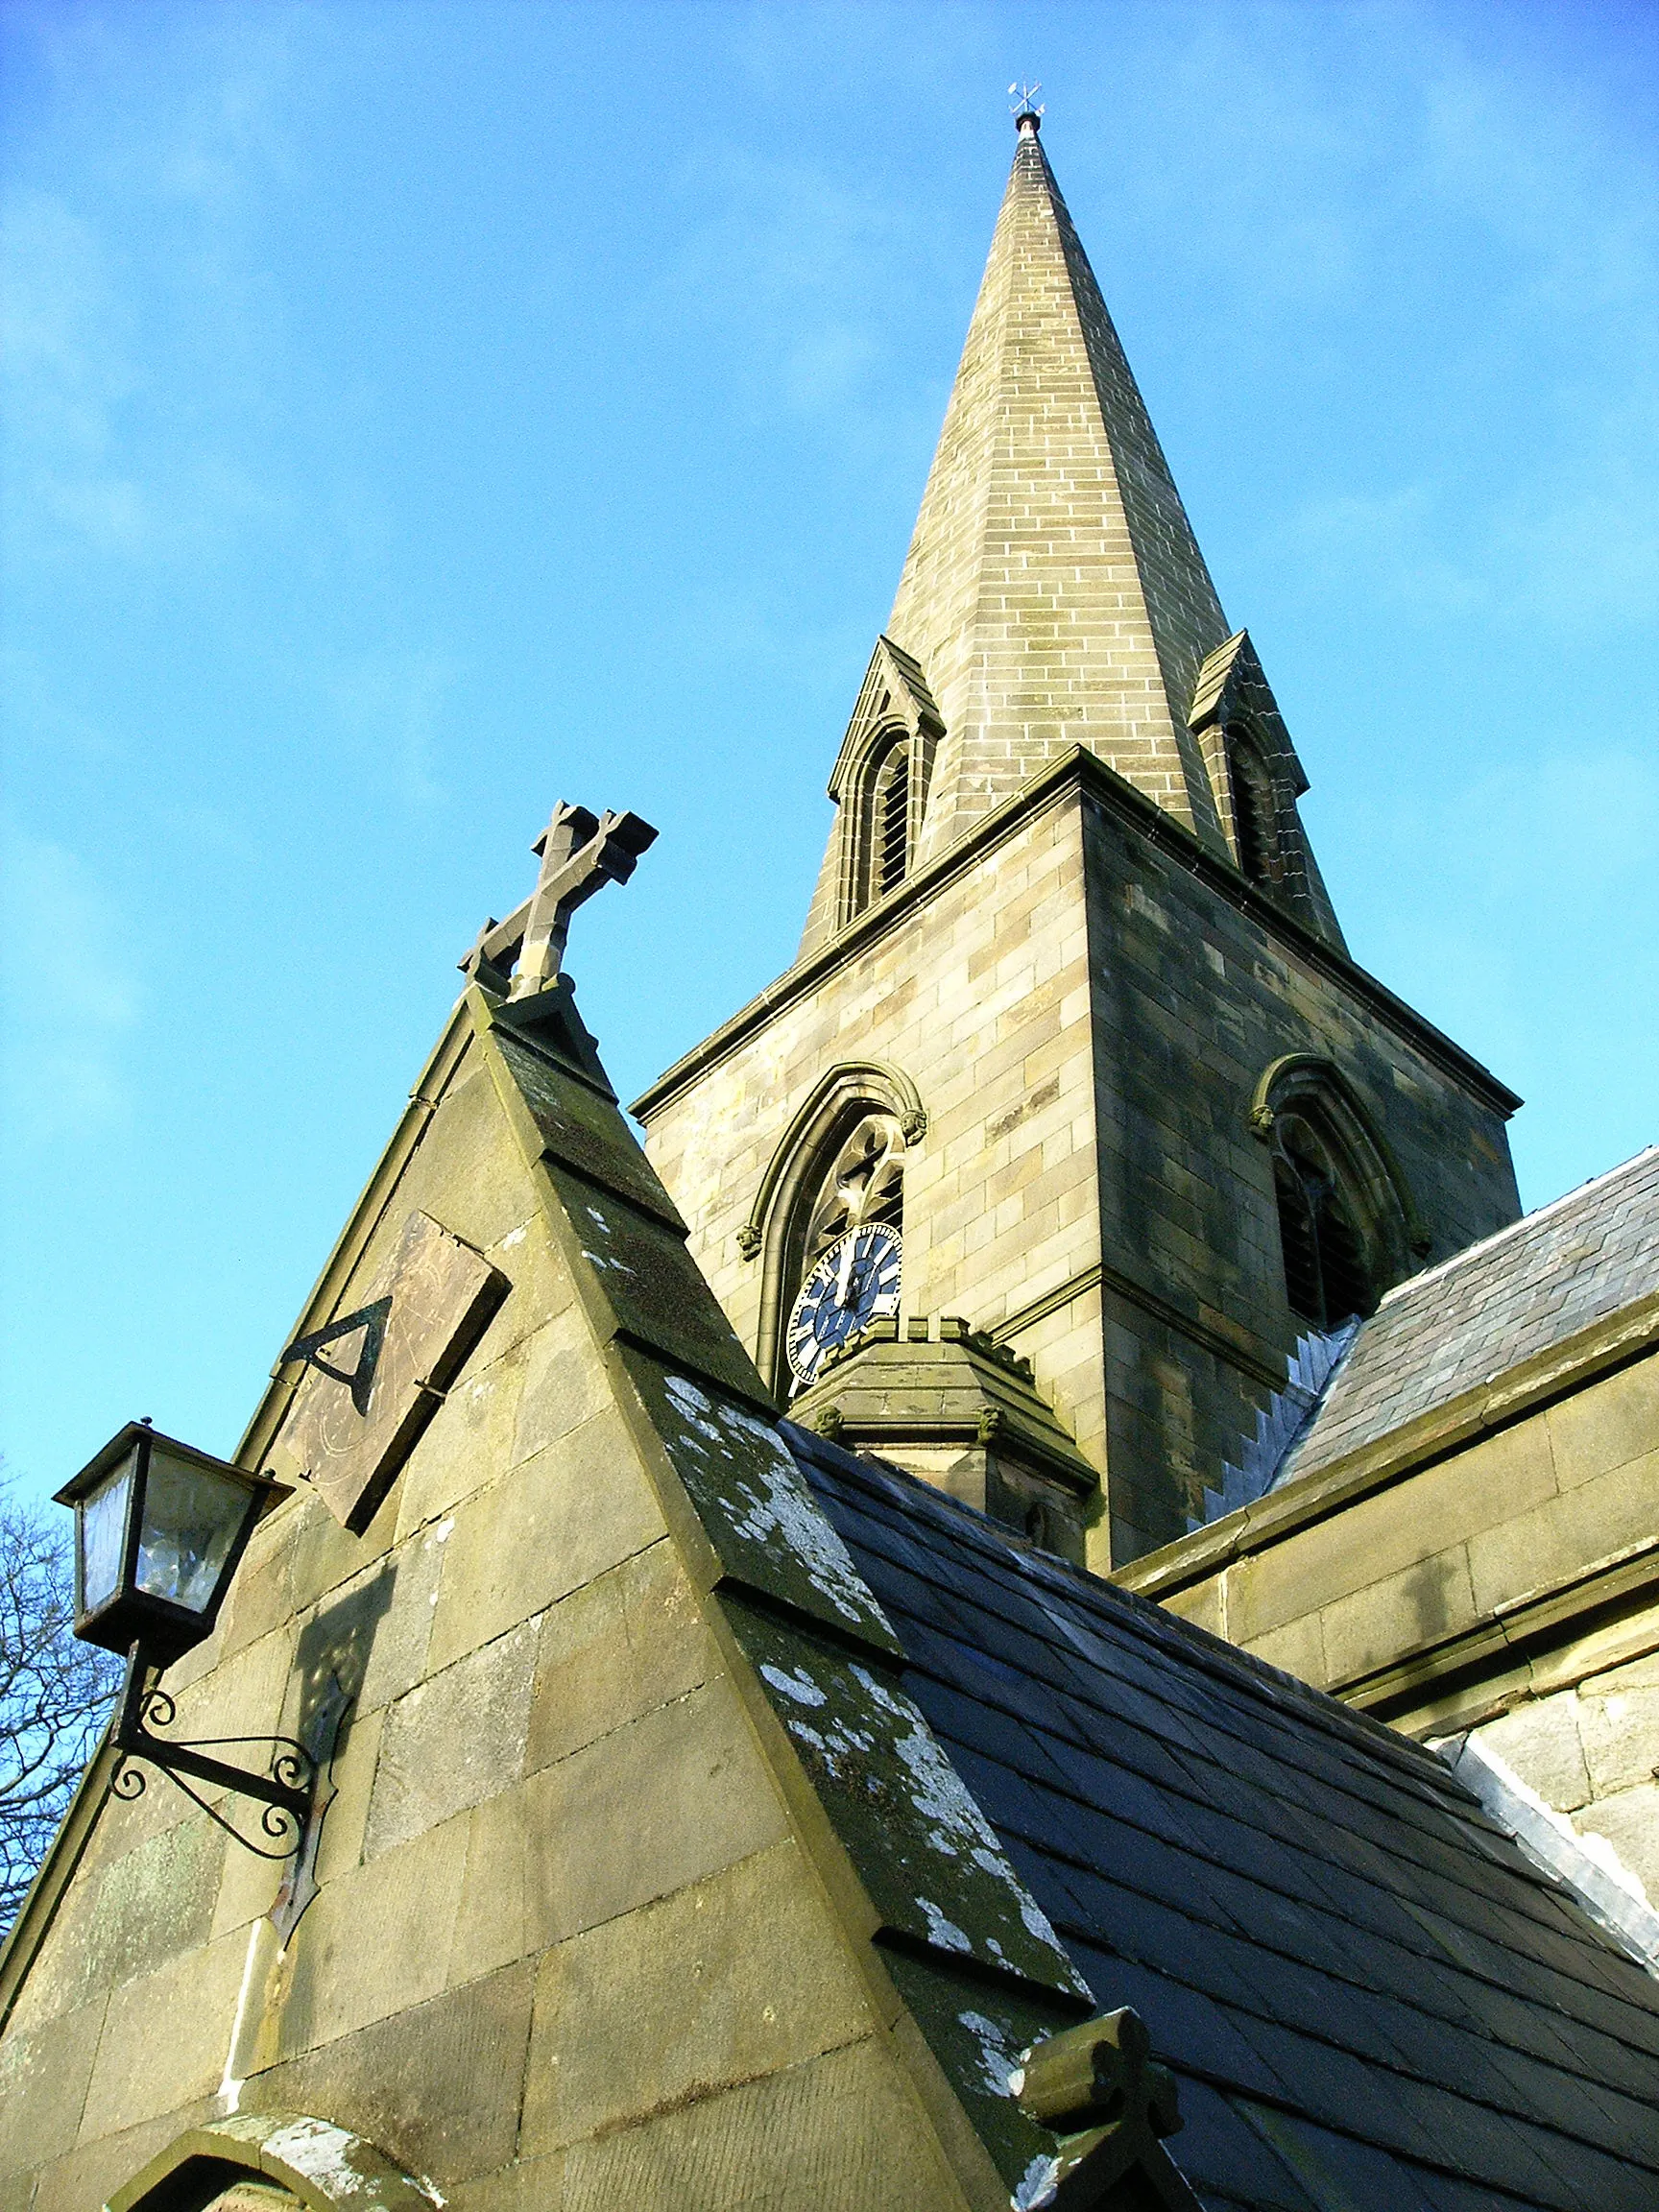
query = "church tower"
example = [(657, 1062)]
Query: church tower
[(1072, 1118)]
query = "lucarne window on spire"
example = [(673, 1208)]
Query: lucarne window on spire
[(1255, 812), (890, 822)]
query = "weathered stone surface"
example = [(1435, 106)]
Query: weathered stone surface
[(1072, 960), (454, 1739), (753, 1505), (653, 1291), (468, 1172), (581, 1130), (44, 2081), (782, 2143), (470, 1436), (624, 1644), (373, 1943), (1586, 1522), (164, 2037), (722, 2008), (925, 1852), (1628, 1822), (1542, 1742), (549, 1525), (139, 1908), (93, 2170), (491, 1924), (527, 2185), (441, 2081), (563, 1387), (1598, 1430), (667, 1800)]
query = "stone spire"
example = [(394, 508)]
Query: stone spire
[(1054, 594)]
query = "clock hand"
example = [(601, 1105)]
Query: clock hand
[(844, 1284)]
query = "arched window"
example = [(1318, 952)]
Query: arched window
[(846, 1246), (890, 822), (1348, 1229), (839, 1167), (1327, 1277), (1255, 811)]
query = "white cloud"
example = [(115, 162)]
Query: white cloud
[(140, 329), (70, 993), (393, 704)]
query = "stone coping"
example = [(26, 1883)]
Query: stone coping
[(1078, 771), (325, 2167), (1280, 1514)]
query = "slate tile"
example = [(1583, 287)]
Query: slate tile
[(1189, 2030), (1216, 1844), (1219, 2151), (1337, 2168)]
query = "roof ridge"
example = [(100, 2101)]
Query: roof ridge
[(1514, 1228)]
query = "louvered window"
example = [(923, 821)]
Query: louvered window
[(1255, 817), (1327, 1275), (890, 823)]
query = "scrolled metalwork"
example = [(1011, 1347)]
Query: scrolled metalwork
[(158, 1709), (283, 1827), (285, 1790)]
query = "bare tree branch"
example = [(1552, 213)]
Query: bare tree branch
[(55, 1693)]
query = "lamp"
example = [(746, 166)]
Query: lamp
[(160, 1530)]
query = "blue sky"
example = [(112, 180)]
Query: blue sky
[(416, 414)]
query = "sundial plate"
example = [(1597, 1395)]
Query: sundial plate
[(368, 1392)]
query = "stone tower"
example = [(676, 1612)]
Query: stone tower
[(1074, 1115)]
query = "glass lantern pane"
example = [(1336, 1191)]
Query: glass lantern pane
[(192, 1517), (101, 1524)]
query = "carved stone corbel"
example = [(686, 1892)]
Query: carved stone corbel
[(1096, 2088)]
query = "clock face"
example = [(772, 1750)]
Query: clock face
[(853, 1283)]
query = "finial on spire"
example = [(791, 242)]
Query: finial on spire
[(1027, 108)]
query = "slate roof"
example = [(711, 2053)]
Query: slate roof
[(1503, 1301), (1372, 2000)]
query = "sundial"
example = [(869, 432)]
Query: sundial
[(376, 1376)]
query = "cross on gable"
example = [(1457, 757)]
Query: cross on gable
[(579, 853)]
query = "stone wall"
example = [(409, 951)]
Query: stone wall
[(1496, 1577), (1085, 1003), (980, 997), (568, 1945), (1192, 999)]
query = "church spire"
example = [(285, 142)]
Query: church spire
[(1054, 593)]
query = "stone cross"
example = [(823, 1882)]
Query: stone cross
[(579, 853)]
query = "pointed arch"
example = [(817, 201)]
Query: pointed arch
[(879, 781), (846, 1097), (1256, 780), (1256, 839), (1348, 1227), (272, 2158)]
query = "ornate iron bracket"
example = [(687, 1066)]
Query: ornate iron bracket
[(287, 1789)]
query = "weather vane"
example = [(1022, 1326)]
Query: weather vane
[(1024, 100)]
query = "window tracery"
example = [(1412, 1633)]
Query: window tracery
[(850, 1245), (1348, 1229), (1327, 1277), (838, 1168)]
